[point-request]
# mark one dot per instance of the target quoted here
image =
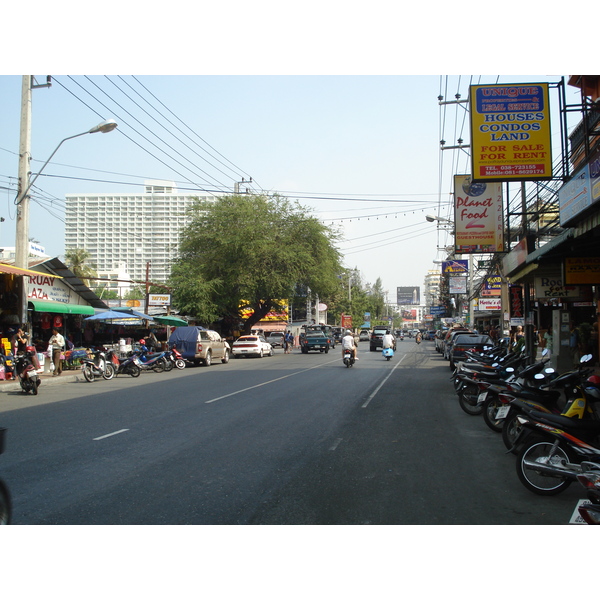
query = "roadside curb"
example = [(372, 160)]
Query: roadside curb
[(46, 380)]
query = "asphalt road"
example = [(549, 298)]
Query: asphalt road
[(288, 439)]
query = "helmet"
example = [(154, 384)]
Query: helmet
[(143, 342), (348, 332), (594, 380)]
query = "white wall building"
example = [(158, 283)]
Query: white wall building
[(134, 229)]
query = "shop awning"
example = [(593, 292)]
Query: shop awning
[(61, 307), (18, 271)]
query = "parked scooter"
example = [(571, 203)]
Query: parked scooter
[(549, 462), (589, 478), (153, 362), (27, 373), (98, 367), (5, 501), (124, 366), (174, 357)]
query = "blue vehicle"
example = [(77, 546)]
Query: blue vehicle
[(388, 353)]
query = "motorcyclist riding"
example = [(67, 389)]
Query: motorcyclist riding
[(348, 344)]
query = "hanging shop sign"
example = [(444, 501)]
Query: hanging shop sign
[(43, 286), (510, 132), (457, 285), (492, 286), (582, 270), (517, 308), (490, 304), (553, 287), (455, 266), (581, 191), (477, 216)]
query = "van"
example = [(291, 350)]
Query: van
[(200, 346)]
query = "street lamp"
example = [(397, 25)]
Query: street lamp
[(22, 199)]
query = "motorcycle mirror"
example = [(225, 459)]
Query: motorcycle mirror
[(545, 352), (495, 364), (586, 358), (549, 371), (539, 376), (510, 369)]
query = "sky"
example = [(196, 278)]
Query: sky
[(329, 104), (362, 151)]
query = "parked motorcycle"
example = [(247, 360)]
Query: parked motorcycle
[(177, 358), (553, 447), (98, 367), (153, 362), (5, 500), (124, 366), (27, 373), (557, 397), (589, 478)]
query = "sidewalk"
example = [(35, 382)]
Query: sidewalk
[(13, 385)]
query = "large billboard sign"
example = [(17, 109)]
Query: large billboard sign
[(408, 295), (477, 216), (510, 132)]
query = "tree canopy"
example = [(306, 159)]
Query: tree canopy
[(252, 252)]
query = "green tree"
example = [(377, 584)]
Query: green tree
[(250, 252), (76, 260)]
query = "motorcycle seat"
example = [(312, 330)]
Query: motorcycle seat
[(566, 423)]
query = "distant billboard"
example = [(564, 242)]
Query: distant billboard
[(510, 132), (408, 295)]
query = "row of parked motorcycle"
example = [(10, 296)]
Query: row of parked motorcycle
[(107, 365), (550, 421)]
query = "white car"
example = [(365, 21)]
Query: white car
[(251, 345)]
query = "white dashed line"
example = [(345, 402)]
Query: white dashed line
[(110, 434)]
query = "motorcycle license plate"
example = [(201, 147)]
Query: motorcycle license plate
[(482, 396), (502, 412)]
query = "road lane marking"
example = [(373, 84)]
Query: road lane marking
[(381, 384), (253, 387), (110, 434)]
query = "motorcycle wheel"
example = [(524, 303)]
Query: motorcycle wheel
[(511, 430), (469, 403), (490, 408), (109, 371), (134, 370), (88, 373), (180, 363), (159, 365), (34, 387), (5, 505), (543, 484), (169, 364)]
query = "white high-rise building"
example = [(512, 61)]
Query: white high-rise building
[(130, 230)]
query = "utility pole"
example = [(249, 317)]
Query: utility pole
[(22, 229), (236, 188)]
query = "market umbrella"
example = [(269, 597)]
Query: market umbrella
[(170, 321), (135, 313), (107, 315)]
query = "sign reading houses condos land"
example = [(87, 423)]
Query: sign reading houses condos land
[(510, 132)]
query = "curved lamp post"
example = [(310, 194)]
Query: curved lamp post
[(22, 199)]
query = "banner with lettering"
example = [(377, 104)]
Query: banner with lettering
[(478, 216)]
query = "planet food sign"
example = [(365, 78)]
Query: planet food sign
[(510, 132), (478, 216)]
